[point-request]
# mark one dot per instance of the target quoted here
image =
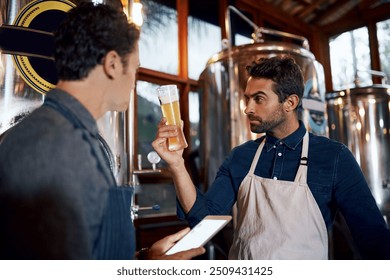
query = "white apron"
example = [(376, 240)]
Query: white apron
[(278, 219)]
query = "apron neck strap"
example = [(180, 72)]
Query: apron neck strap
[(256, 158), (73, 119), (301, 175)]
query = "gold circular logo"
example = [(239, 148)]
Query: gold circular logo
[(42, 16)]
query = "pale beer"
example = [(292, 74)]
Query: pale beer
[(169, 100)]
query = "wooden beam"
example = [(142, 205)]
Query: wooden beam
[(366, 4), (307, 11), (279, 15), (304, 2), (223, 4), (374, 53), (356, 19), (182, 21), (296, 10), (350, 21), (158, 77), (320, 49), (330, 11), (378, 13)]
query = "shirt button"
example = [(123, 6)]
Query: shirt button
[(280, 154), (275, 178), (274, 147)]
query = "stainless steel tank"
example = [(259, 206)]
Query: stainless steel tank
[(17, 98), (223, 123), (360, 118)]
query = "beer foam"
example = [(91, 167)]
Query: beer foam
[(168, 94)]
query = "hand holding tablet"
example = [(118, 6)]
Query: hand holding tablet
[(200, 234)]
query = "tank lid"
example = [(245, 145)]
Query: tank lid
[(376, 89), (265, 47)]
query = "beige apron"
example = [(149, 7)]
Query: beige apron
[(278, 219)]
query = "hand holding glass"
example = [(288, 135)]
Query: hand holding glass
[(169, 100)]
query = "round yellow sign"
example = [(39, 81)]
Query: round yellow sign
[(40, 17)]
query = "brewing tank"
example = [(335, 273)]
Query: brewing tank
[(360, 118), (17, 98), (222, 84)]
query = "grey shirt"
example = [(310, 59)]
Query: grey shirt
[(54, 180)]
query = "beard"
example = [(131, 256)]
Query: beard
[(267, 125)]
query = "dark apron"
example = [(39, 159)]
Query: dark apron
[(116, 239)]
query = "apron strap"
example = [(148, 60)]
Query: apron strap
[(301, 176), (69, 115), (256, 158)]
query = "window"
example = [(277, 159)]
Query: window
[(383, 30), (193, 103), (159, 37), (204, 35), (350, 59), (242, 40), (148, 117), (159, 192), (241, 30)]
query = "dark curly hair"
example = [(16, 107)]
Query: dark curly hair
[(283, 71), (87, 34)]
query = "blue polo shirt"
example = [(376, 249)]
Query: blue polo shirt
[(334, 178)]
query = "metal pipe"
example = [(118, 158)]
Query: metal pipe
[(258, 30), (232, 85), (373, 73), (305, 42)]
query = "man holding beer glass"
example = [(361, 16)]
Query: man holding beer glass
[(287, 185)]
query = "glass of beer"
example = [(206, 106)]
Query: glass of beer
[(169, 101)]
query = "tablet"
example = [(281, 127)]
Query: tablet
[(200, 234)]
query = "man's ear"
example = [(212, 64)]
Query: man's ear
[(291, 102), (112, 64)]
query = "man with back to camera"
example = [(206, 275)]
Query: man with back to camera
[(288, 184), (58, 195)]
